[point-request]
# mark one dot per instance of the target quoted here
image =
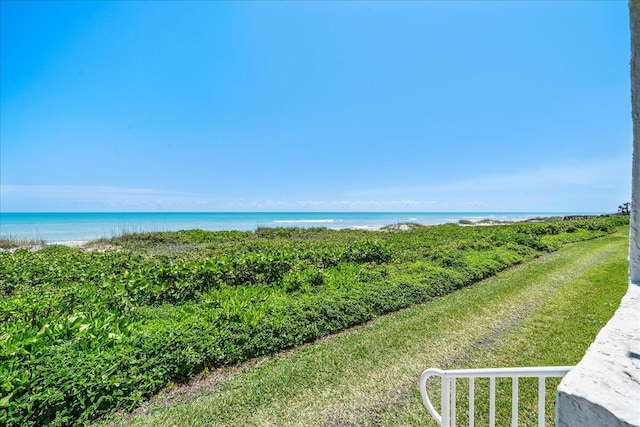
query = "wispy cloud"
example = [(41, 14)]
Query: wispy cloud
[(322, 205), (608, 173), (595, 186), (94, 198)]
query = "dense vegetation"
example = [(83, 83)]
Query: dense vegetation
[(546, 312), (84, 333)]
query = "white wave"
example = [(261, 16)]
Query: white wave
[(292, 221)]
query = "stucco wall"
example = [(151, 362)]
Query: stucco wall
[(604, 388), (634, 238)]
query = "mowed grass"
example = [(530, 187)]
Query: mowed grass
[(545, 312)]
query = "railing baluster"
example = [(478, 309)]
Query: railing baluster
[(541, 398), (445, 399), (492, 402), (453, 402), (472, 404), (514, 401)]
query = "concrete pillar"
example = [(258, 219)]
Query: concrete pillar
[(634, 238), (604, 388)]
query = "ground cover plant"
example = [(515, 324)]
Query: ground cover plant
[(545, 312), (83, 333)]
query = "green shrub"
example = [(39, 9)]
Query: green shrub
[(366, 251), (85, 333)]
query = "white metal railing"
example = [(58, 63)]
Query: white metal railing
[(448, 391)]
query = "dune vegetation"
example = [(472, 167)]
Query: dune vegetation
[(545, 312), (84, 333)]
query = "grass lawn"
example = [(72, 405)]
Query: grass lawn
[(545, 312)]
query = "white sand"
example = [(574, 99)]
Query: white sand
[(71, 243)]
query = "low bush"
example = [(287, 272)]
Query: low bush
[(85, 333)]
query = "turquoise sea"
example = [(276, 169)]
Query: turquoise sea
[(63, 227)]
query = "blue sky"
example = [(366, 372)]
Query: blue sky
[(314, 106)]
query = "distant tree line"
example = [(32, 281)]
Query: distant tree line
[(624, 209)]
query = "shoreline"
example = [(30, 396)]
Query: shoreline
[(77, 229)]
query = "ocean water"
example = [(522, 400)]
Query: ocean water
[(64, 227)]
